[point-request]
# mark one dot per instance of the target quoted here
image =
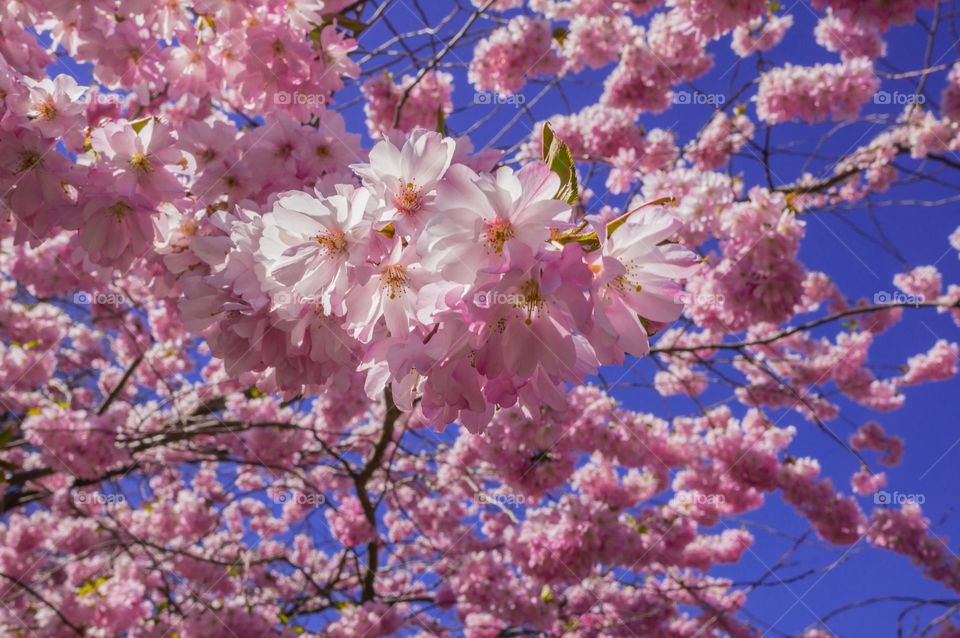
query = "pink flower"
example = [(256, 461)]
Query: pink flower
[(637, 277), (140, 159), (391, 291), (310, 243), (482, 217), (405, 179), (54, 108), (114, 231)]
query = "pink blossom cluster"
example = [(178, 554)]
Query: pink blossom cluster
[(570, 9), (603, 133), (595, 41), (701, 197), (938, 364), (720, 138), (906, 531), (225, 348), (851, 39), (760, 34), (713, 20), (466, 288), (872, 436), (137, 152), (650, 65), (817, 92), (428, 102), (759, 278), (523, 48), (883, 13)]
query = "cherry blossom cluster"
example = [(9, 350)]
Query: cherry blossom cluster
[(428, 101), (817, 92), (462, 288)]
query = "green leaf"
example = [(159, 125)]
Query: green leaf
[(284, 619), (560, 34), (140, 124), (388, 231), (6, 436), (558, 157)]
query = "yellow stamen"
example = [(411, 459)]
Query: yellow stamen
[(530, 299), (408, 199), (498, 233), (141, 162), (395, 278), (333, 242)]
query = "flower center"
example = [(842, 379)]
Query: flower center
[(119, 211), (621, 284), (530, 299), (46, 110), (333, 242), (141, 162), (395, 278), (408, 199), (498, 232), (29, 160)]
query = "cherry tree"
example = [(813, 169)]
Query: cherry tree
[(489, 318)]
